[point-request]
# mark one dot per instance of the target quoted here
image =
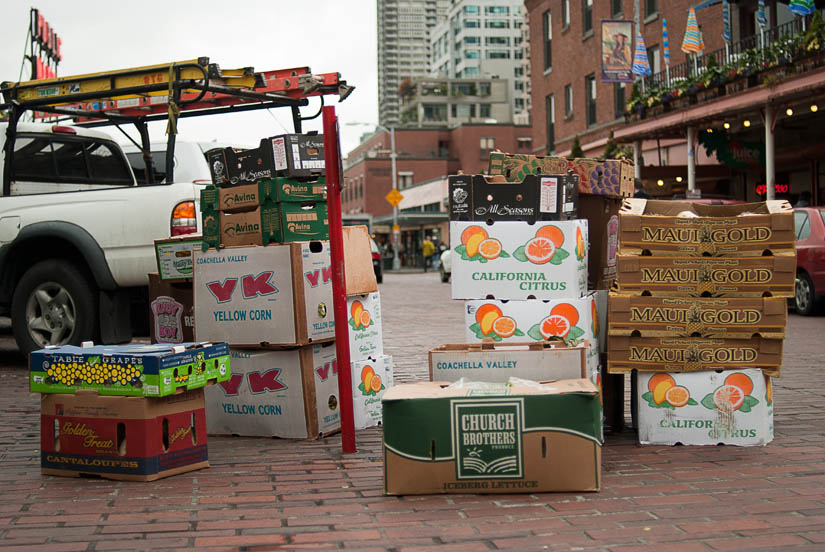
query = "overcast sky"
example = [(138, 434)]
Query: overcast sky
[(325, 35)]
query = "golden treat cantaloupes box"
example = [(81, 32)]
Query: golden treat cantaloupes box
[(706, 276), (492, 438), (688, 229), (727, 317)]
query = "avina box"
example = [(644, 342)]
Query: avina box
[(706, 276), (249, 196), (515, 260), (289, 394), (705, 408), (128, 370), (611, 177), (493, 362), (273, 296), (692, 354), (734, 317), (492, 438), (685, 229), (130, 438)]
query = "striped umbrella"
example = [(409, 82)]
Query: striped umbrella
[(692, 42), (641, 66), (801, 7), (760, 14), (665, 43), (726, 21)]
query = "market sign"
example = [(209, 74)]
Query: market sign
[(617, 57), (734, 153)]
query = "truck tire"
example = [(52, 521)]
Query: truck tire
[(53, 304)]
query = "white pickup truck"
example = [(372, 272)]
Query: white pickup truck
[(77, 235)]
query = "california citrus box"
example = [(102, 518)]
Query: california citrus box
[(686, 229), (364, 325), (370, 380), (573, 321), (128, 438), (705, 408), (289, 394), (731, 317), (498, 362), (492, 437), (692, 354), (515, 260), (706, 276), (610, 177), (128, 370)]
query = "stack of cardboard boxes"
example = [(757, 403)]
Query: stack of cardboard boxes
[(699, 311), (133, 412)]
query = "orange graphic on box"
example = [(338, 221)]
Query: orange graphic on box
[(477, 245), (559, 324), (734, 394), (491, 323), (545, 247), (370, 381), (359, 316), (663, 392)]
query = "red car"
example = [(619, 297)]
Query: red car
[(810, 258)]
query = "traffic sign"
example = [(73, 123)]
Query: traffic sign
[(396, 228), (394, 197)]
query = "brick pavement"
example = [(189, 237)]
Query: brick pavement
[(269, 494)]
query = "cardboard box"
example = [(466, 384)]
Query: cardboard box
[(706, 276), (259, 226), (364, 325), (360, 275), (705, 408), (492, 362), (128, 370), (250, 196), (370, 380), (174, 256), (290, 394), (494, 438), (304, 221), (514, 260), (533, 198), (611, 177), (687, 229), (288, 155), (601, 317), (171, 311), (127, 438), (602, 214), (734, 317), (274, 296), (692, 354)]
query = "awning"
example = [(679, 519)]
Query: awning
[(413, 220)]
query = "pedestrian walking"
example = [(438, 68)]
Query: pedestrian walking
[(427, 250)]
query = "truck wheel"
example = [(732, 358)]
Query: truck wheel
[(53, 304)]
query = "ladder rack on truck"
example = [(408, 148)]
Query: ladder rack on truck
[(166, 91)]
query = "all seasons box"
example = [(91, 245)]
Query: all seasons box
[(692, 354), (686, 229), (290, 394), (493, 362), (492, 438), (278, 295), (131, 438), (514, 260), (706, 276), (533, 198), (705, 408), (171, 311), (132, 370), (288, 155), (610, 177), (733, 317)]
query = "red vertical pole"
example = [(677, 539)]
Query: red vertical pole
[(332, 161)]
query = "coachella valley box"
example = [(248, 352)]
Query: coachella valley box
[(370, 380), (694, 229), (734, 317), (278, 295), (171, 311), (131, 438), (706, 276), (493, 362), (691, 354), (705, 408), (515, 260), (365, 337), (492, 438), (611, 177), (290, 394), (128, 370)]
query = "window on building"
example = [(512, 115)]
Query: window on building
[(565, 14), (484, 110), (651, 7), (472, 10), (464, 89), (435, 112), (488, 144), (405, 179), (518, 71), (615, 8), (469, 72), (472, 40), (497, 23), (524, 143), (653, 59), (496, 10), (547, 33), (568, 100), (472, 24), (497, 40), (518, 54), (618, 100), (590, 98), (519, 103), (472, 54), (497, 54), (484, 89), (587, 16), (550, 107)]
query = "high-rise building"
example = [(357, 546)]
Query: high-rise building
[(403, 48)]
